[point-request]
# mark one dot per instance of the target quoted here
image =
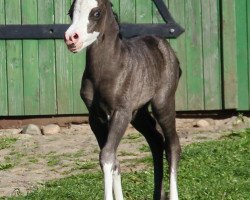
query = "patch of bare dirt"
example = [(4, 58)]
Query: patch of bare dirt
[(32, 160)]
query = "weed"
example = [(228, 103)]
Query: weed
[(86, 165), (125, 153), (5, 166), (133, 136), (7, 142), (144, 148), (33, 160), (53, 161)]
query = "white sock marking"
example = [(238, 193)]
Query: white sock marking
[(108, 181), (117, 185), (173, 185)]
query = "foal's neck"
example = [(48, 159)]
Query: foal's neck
[(109, 40)]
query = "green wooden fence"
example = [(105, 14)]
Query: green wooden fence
[(40, 77)]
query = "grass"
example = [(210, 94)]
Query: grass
[(144, 148), (87, 165), (214, 170), (7, 142), (4, 166), (9, 162)]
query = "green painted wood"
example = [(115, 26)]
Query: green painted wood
[(242, 54), (194, 55), (63, 63), (3, 70), (127, 11), (248, 31), (116, 7), (30, 61), (47, 62), (229, 54), (144, 11), (45, 78), (14, 62), (79, 63), (177, 9), (211, 54)]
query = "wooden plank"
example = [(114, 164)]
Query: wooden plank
[(194, 55), (127, 11), (248, 31), (30, 61), (14, 61), (229, 54), (63, 63), (116, 7), (79, 62), (144, 11), (3, 70), (47, 62), (242, 54), (211, 54), (177, 8)]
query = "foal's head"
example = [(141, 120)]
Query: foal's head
[(87, 23)]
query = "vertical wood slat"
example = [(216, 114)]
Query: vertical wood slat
[(177, 9), (143, 11), (78, 63), (3, 70), (242, 54), (194, 55), (30, 61), (63, 63), (116, 7), (229, 54), (211, 54), (248, 37), (47, 62), (127, 11), (14, 61)]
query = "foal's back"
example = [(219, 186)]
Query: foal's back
[(153, 66)]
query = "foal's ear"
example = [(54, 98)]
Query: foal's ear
[(102, 1), (71, 10)]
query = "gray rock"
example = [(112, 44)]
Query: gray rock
[(202, 123), (31, 129), (51, 129)]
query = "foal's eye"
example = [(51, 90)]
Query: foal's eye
[(97, 14)]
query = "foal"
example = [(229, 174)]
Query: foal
[(121, 79)]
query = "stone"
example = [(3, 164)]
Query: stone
[(51, 129), (31, 129), (202, 123)]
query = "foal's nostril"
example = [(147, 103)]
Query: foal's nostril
[(76, 36)]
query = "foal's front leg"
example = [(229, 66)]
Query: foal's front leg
[(108, 161)]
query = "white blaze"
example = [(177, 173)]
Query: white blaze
[(80, 23)]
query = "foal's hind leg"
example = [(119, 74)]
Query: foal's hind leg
[(145, 124), (164, 111)]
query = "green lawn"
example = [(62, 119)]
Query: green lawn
[(213, 170)]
